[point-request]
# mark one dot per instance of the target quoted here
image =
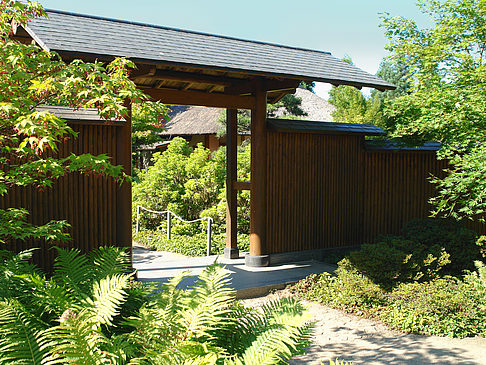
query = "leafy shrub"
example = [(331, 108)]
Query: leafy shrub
[(189, 245), (396, 260), (458, 242), (348, 290), (443, 307), (191, 183), (77, 317)]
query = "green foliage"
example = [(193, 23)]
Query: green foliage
[(446, 64), (458, 241), (182, 180), (353, 107), (401, 281), (443, 307), (348, 290), (30, 77), (395, 260), (84, 319), (189, 245), (147, 120), (308, 86), (191, 183), (397, 73)]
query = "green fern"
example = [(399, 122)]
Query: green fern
[(21, 336), (108, 261), (108, 296), (91, 312), (75, 341), (74, 271)]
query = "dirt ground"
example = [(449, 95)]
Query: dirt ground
[(365, 341)]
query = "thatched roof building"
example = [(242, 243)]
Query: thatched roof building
[(200, 120)]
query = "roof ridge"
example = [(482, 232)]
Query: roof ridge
[(182, 30)]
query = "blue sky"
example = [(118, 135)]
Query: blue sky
[(341, 27)]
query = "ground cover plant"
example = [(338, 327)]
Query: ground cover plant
[(92, 312), (408, 284), (189, 245), (191, 183)]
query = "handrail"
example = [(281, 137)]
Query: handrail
[(169, 224)]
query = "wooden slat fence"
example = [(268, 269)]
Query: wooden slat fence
[(328, 191), (87, 202)]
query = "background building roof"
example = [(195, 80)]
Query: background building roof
[(203, 120)]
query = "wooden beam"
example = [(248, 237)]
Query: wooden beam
[(179, 97), (277, 98), (258, 202), (124, 191), (267, 85), (241, 185), (191, 77), (231, 250)]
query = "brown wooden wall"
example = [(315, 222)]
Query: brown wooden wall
[(87, 202), (397, 189), (314, 190), (327, 191)]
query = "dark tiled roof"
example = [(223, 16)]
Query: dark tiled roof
[(305, 126), (68, 32), (396, 146)]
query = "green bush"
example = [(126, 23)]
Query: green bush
[(83, 316), (348, 290), (395, 260), (189, 245), (191, 183), (442, 307), (458, 241), (445, 306)]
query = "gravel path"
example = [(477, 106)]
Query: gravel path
[(364, 341)]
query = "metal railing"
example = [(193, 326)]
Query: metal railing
[(169, 224)]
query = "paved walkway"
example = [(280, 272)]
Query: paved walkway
[(156, 266)]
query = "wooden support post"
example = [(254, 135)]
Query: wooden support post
[(231, 250), (258, 202), (124, 191)]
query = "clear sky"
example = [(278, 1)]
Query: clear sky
[(346, 27)]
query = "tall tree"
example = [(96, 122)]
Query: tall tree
[(353, 107), (30, 77), (448, 78)]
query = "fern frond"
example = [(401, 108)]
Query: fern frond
[(108, 295), (73, 269), (75, 341), (47, 296), (279, 332), (109, 261), (207, 306), (20, 339)]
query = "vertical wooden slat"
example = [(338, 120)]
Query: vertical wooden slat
[(231, 250)]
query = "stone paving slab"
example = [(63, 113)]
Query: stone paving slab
[(156, 266)]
